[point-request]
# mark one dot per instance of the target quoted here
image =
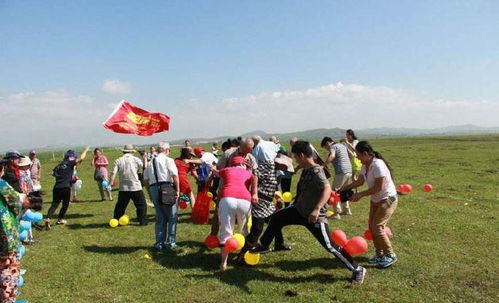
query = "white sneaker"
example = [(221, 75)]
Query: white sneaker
[(336, 217)]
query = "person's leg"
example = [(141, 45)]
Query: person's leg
[(56, 200), (286, 184), (121, 204), (380, 218), (160, 224), (66, 197), (372, 212), (242, 211), (347, 178), (109, 193), (193, 199), (140, 204), (321, 233), (254, 234), (171, 225), (215, 220), (337, 183), (280, 219), (227, 208), (101, 190)]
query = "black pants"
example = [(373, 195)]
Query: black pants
[(215, 182), (59, 195), (291, 216), (255, 233), (285, 185), (138, 200)]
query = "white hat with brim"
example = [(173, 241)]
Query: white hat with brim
[(25, 161), (286, 161), (128, 148)]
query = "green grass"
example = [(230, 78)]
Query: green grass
[(446, 241)]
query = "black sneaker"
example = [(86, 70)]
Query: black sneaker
[(282, 247), (358, 275), (259, 249)]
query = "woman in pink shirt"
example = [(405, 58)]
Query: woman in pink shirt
[(236, 200), (100, 163)]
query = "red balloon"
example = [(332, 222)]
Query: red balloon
[(334, 198), (404, 189), (388, 231), (356, 246), (211, 242), (368, 234), (231, 245), (428, 187), (182, 205), (339, 237)]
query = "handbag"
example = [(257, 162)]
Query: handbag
[(167, 195)]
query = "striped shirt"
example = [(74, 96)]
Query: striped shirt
[(341, 162)]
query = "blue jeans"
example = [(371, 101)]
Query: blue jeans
[(166, 221)]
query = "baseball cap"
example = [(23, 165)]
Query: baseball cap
[(13, 154), (32, 152), (198, 150)]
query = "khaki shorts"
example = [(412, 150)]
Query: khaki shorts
[(341, 179)]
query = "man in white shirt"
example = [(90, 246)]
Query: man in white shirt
[(127, 167), (160, 175)]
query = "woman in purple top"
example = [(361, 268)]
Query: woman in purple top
[(100, 175)]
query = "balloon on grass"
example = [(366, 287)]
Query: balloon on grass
[(211, 242), (251, 258), (113, 223), (37, 217), (20, 282), (24, 225), (339, 237), (368, 234), (231, 245), (427, 188), (240, 240), (23, 235), (405, 189), (124, 221), (22, 250), (356, 246)]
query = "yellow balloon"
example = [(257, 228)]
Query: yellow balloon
[(113, 223), (212, 205), (329, 213), (250, 223), (240, 240), (124, 220), (209, 194), (251, 259), (287, 197)]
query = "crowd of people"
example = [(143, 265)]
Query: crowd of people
[(246, 178)]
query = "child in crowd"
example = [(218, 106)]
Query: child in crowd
[(101, 174)]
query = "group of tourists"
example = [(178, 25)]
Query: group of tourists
[(245, 178)]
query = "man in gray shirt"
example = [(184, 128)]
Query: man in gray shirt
[(127, 167), (338, 155)]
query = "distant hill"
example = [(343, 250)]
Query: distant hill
[(319, 133)]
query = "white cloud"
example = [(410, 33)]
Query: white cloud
[(334, 105), (116, 87)]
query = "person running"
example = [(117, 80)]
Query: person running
[(338, 156), (377, 173), (126, 168), (239, 191), (309, 210), (185, 165), (100, 163), (63, 174)]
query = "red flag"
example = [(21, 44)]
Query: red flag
[(129, 119)]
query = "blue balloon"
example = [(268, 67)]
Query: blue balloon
[(21, 301), (37, 217), (20, 282), (28, 215), (22, 251), (23, 235), (105, 183), (25, 225)]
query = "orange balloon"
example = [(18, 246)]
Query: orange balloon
[(356, 246), (231, 245), (339, 237)]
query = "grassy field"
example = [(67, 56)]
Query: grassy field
[(446, 242)]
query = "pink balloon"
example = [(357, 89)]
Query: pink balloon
[(231, 245), (339, 237), (368, 234), (428, 187), (356, 246)]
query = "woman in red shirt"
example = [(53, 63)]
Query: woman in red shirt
[(236, 200), (185, 166)]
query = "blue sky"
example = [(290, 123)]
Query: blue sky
[(172, 56)]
